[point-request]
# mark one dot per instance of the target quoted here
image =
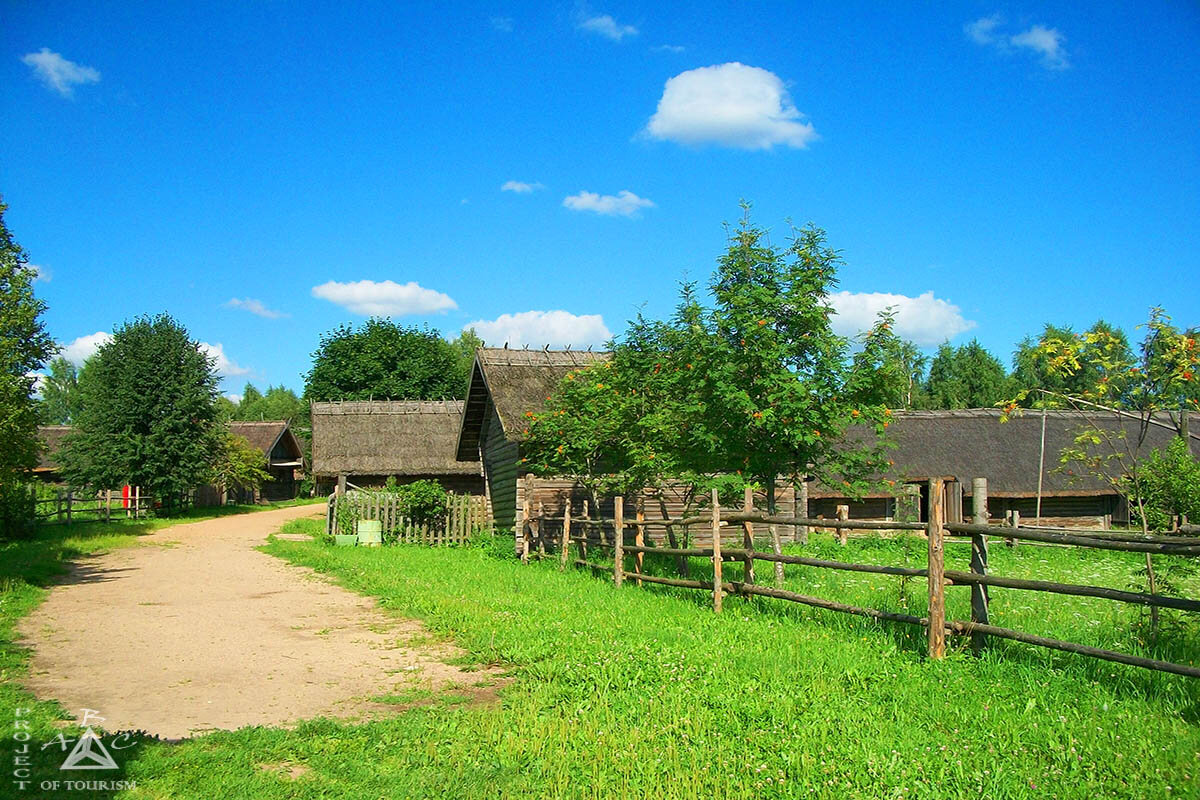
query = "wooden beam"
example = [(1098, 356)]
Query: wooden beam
[(937, 582)]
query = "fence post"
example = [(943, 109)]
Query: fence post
[(937, 569), (537, 530), (566, 536), (108, 505), (587, 530), (716, 548), (70, 502), (526, 508), (58, 505), (1014, 520), (800, 535), (639, 539), (618, 540), (748, 537), (843, 514), (979, 562)]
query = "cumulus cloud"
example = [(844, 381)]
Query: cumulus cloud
[(83, 348), (733, 105), (236, 399), (59, 74), (540, 328), (226, 367), (925, 320), (624, 203), (41, 274), (254, 307), (520, 187), (1037, 39), (604, 25), (384, 298), (1046, 42)]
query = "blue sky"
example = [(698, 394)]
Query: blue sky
[(991, 166)]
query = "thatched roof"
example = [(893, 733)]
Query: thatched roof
[(392, 437), (266, 434), (973, 443), (514, 381), (51, 437)]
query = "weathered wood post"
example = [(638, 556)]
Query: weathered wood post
[(801, 533), (773, 532), (108, 505), (526, 511), (937, 569), (979, 562), (566, 536), (1014, 521), (843, 514), (639, 539), (537, 530), (618, 540), (70, 502), (748, 537), (587, 530), (716, 548), (58, 505)]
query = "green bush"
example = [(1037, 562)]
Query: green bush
[(1170, 483), (16, 511), (420, 501)]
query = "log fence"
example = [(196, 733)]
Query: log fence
[(611, 536), (68, 506), (465, 516)]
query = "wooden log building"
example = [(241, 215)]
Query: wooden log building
[(366, 442)]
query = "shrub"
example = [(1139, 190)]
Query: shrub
[(1170, 482), (16, 511), (420, 501)]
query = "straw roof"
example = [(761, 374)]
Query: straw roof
[(973, 443), (51, 437), (266, 434), (387, 437), (515, 381)]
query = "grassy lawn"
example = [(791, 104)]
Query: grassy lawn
[(643, 692)]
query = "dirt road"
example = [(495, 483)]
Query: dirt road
[(196, 630)]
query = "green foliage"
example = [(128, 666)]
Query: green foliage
[(1035, 366), (279, 402), (966, 377), (384, 360), (239, 465), (1169, 486), (24, 346), (420, 501), (466, 344), (887, 371), (60, 393), (148, 415), (754, 386)]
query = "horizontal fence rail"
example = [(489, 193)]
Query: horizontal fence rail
[(68, 506), (536, 536)]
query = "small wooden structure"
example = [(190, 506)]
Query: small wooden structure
[(365, 442), (283, 452)]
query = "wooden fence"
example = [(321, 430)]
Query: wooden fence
[(465, 516), (68, 506), (585, 533)]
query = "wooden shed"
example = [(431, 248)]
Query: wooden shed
[(973, 443), (51, 437), (369, 441), (283, 451)]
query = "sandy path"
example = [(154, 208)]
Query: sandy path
[(196, 630)]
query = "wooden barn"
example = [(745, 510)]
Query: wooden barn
[(366, 442), (505, 385), (284, 455), (973, 443), (51, 437)]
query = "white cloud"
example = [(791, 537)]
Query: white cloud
[(39, 380), (236, 399), (41, 274), (520, 187), (58, 73), (924, 320), (1038, 39), (502, 24), (606, 26), (734, 105), (254, 307), (226, 367), (625, 203), (384, 298), (1046, 42), (539, 328), (83, 348), (982, 30), (669, 48)]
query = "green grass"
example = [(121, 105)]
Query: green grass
[(645, 692)]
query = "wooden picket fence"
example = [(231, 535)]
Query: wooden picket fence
[(466, 515), (68, 506), (535, 533)]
